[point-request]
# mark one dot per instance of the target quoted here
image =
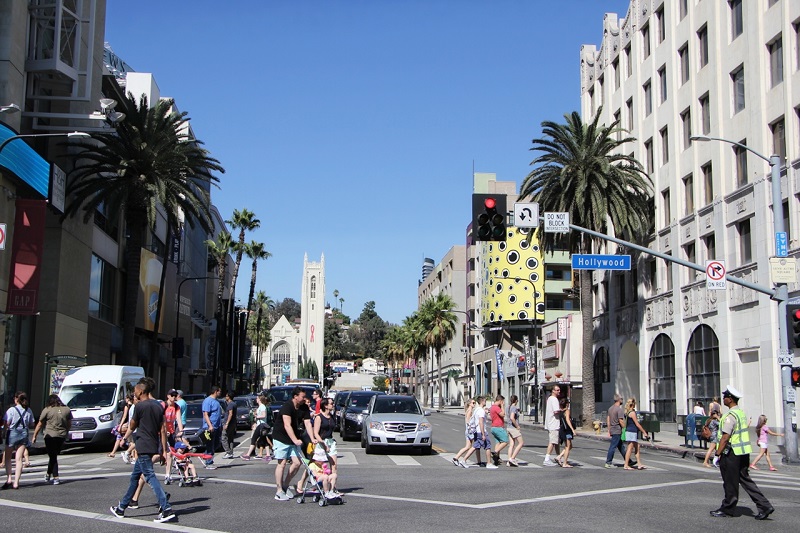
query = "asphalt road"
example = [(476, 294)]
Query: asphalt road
[(399, 492)]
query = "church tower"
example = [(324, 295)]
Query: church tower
[(312, 314)]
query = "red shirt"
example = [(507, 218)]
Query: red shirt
[(494, 412), (170, 414)]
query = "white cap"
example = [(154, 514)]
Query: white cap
[(731, 391)]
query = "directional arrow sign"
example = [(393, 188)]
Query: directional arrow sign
[(715, 276), (526, 215)]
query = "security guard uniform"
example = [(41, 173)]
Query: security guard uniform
[(734, 465)]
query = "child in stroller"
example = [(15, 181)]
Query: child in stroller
[(321, 480), (183, 467)]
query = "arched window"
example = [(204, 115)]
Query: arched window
[(662, 378), (280, 356), (602, 373), (313, 287), (702, 367)]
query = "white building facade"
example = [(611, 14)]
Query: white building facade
[(668, 71)]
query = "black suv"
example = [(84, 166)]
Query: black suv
[(352, 413), (281, 394)]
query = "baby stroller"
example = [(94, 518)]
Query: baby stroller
[(182, 466), (313, 487)]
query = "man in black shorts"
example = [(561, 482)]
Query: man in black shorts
[(148, 418)]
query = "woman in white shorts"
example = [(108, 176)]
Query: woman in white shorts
[(514, 433)]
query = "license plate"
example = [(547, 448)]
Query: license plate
[(76, 436), (401, 438)]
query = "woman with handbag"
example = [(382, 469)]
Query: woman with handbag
[(18, 420), (713, 436), (56, 420), (260, 430), (631, 432)]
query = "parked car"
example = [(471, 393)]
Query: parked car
[(280, 394), (245, 406), (194, 423), (352, 413), (339, 401), (194, 397), (396, 421)]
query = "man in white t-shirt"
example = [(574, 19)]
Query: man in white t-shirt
[(552, 424), (482, 441)]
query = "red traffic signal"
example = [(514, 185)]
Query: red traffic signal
[(793, 325), (489, 217)]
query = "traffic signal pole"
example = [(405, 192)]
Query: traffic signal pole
[(780, 294)]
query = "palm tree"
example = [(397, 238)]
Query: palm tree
[(219, 251), (439, 328), (581, 169), (335, 295), (148, 162), (414, 343), (255, 251), (341, 303), (243, 220)]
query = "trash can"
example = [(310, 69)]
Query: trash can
[(649, 422), (681, 419)]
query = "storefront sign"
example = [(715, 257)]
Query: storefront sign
[(549, 352)]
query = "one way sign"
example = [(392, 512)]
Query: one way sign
[(526, 215)]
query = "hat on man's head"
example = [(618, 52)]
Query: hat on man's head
[(172, 392), (180, 392), (731, 392)]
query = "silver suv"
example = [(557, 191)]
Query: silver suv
[(396, 421)]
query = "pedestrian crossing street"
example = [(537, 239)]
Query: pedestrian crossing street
[(88, 465)]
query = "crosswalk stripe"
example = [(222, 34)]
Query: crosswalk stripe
[(346, 458), (404, 460)]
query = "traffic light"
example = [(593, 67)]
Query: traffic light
[(793, 325), (489, 217), (796, 376)]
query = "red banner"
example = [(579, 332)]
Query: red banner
[(26, 257)]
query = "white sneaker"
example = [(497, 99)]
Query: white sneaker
[(126, 457), (462, 463), (492, 466), (549, 462), (330, 495), (290, 492), (282, 496)]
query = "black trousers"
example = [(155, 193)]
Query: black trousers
[(735, 471), (53, 446)]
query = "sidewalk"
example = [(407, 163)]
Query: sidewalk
[(665, 441)]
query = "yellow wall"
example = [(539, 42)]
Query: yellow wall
[(506, 299)]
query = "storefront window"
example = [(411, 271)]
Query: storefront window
[(702, 367)]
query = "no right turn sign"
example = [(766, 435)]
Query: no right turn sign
[(715, 276)]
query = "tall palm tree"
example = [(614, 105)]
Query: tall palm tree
[(439, 328), (335, 295), (341, 303), (255, 251), (219, 250), (414, 342), (244, 221), (148, 161), (581, 169)]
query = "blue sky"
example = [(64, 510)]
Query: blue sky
[(351, 127)]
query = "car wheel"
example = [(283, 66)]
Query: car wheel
[(426, 450), (363, 441), (369, 448)]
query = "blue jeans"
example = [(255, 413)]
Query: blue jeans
[(616, 443), (144, 467)]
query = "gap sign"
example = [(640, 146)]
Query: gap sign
[(601, 262)]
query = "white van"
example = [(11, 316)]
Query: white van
[(96, 397)]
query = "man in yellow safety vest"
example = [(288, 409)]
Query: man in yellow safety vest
[(734, 451)]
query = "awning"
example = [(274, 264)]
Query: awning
[(24, 162)]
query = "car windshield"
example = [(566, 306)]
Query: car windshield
[(359, 401), (396, 405), (194, 410), (89, 395), (280, 395), (242, 404)]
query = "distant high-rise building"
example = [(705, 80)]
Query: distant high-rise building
[(428, 265)]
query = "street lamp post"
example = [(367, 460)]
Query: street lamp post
[(178, 317), (781, 295), (535, 345), (71, 135), (469, 347)]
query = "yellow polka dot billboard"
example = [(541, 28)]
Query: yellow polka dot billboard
[(513, 279)]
